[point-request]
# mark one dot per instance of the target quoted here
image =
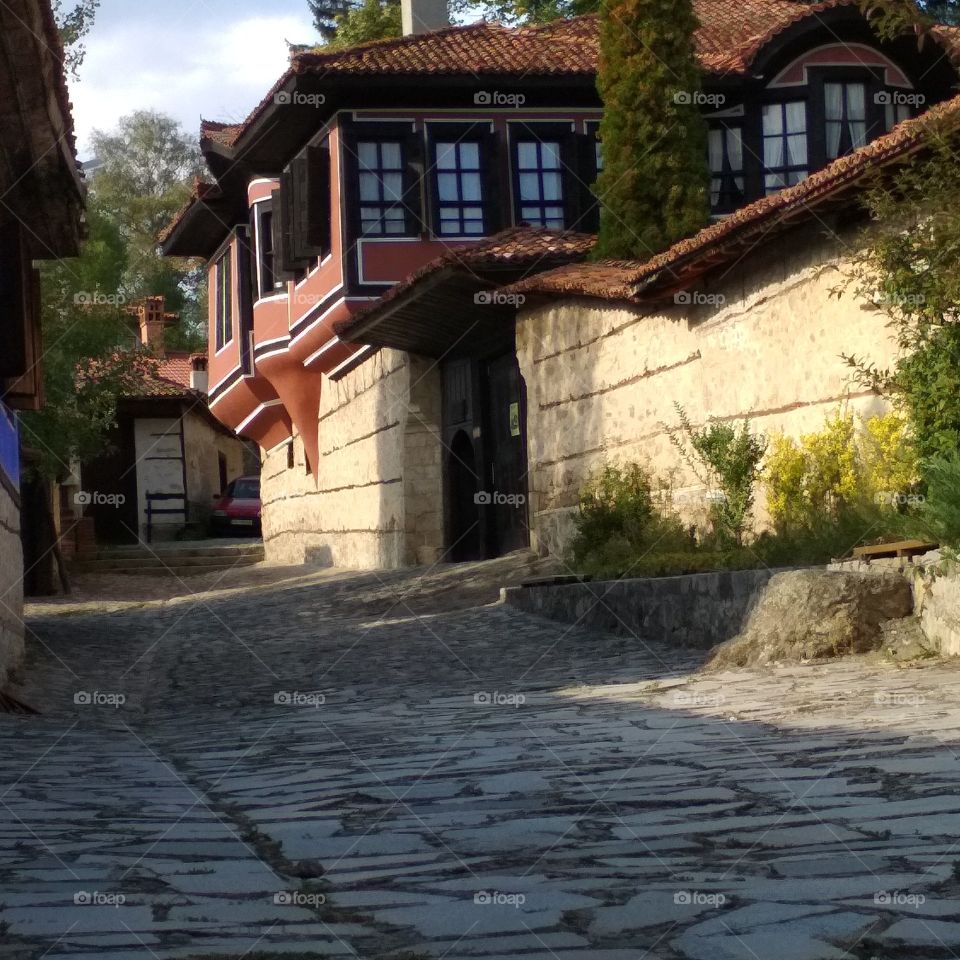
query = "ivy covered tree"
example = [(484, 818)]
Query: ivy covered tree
[(654, 188), (369, 20)]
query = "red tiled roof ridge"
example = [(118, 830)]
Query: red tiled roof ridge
[(622, 280)]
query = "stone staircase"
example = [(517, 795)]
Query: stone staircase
[(180, 559)]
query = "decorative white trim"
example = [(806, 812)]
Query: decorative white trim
[(256, 413), (272, 353), (319, 319), (282, 443), (329, 345), (875, 55), (306, 312), (380, 240), (212, 403), (364, 350)]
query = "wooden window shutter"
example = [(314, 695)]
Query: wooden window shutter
[(284, 263), (318, 201), (589, 214)]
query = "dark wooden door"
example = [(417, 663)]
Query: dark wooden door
[(505, 416)]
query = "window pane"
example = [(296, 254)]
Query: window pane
[(833, 101), (858, 134), (392, 186), (772, 119), (552, 186), (527, 156), (551, 156), (529, 186), (446, 156), (796, 117), (470, 156), (390, 156), (473, 227), (369, 186), (367, 153), (447, 187), (856, 101), (796, 150), (470, 184)]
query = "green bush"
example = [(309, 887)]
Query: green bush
[(938, 515)]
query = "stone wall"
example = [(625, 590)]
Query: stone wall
[(204, 445), (764, 343), (699, 610), (11, 585), (377, 499)]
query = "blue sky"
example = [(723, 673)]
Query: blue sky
[(187, 58)]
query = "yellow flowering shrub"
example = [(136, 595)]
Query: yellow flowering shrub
[(837, 466)]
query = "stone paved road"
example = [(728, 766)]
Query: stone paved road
[(370, 766)]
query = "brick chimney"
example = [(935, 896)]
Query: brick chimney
[(421, 16), (153, 320), (198, 373)]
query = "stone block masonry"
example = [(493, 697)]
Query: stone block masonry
[(377, 501), (763, 343), (11, 586)]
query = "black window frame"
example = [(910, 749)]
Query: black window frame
[(223, 299), (874, 82), (730, 196), (411, 171), (267, 278), (488, 154), (786, 97), (570, 179)]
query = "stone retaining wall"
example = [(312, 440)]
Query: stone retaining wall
[(699, 610), (377, 500), (765, 343), (11, 586)]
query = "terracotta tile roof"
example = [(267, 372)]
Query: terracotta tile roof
[(218, 132), (517, 249), (200, 190), (638, 280)]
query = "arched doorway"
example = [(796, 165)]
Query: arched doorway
[(463, 484)]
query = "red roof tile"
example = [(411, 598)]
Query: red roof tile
[(634, 280), (518, 248)]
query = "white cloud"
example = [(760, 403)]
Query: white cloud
[(218, 70)]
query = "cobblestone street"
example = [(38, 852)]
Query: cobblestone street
[(388, 765)]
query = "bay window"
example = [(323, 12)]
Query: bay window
[(785, 155)]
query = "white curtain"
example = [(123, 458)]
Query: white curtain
[(833, 96)]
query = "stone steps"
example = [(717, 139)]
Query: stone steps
[(171, 559)]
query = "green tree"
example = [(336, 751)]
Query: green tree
[(368, 20), (87, 363), (148, 164), (653, 189), (74, 24), (907, 267)]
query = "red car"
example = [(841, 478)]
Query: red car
[(238, 507)]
